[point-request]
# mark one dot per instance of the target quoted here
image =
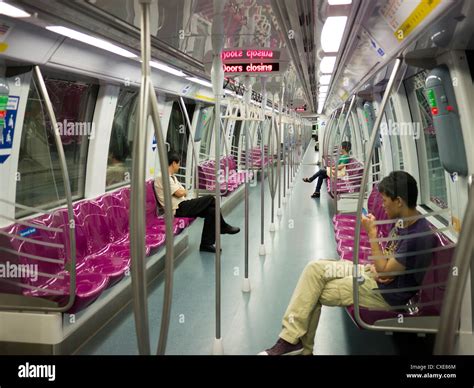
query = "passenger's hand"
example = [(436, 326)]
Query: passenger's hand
[(380, 279), (383, 279), (368, 223)]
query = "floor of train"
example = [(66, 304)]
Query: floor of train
[(251, 322)]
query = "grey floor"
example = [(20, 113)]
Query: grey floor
[(251, 322)]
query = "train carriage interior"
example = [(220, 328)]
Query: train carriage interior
[(333, 135)]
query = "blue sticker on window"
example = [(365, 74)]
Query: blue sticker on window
[(6, 133), (27, 232)]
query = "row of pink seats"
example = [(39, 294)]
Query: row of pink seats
[(351, 182), (344, 228), (101, 228), (228, 166), (255, 157)]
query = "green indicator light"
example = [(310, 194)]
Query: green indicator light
[(432, 98)]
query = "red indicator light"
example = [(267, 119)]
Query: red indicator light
[(434, 111), (449, 108)]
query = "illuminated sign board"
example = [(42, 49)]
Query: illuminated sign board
[(268, 67), (249, 54)]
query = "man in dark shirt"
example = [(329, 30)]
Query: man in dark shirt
[(330, 282)]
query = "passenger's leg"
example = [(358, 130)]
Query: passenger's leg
[(201, 207), (195, 207), (339, 292), (319, 183), (303, 305), (318, 173), (208, 236)]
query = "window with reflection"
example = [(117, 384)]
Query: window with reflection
[(204, 129), (177, 135), (41, 183), (436, 175), (395, 138), (119, 163)]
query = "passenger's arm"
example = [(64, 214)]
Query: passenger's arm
[(381, 265), (180, 193)]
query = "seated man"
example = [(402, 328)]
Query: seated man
[(199, 207), (329, 282), (321, 174)]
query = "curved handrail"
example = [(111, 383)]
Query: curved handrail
[(334, 170), (195, 158), (331, 144), (451, 307), (148, 102), (67, 190)]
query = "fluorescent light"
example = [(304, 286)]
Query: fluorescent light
[(339, 2), (327, 65), (325, 79), (168, 69), (320, 109), (200, 81), (323, 89), (331, 35), (14, 12), (322, 95), (100, 43)]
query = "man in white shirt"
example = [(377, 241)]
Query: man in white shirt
[(204, 207)]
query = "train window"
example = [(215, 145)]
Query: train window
[(41, 183), (119, 162), (178, 132), (421, 115), (205, 129), (395, 140), (236, 138)]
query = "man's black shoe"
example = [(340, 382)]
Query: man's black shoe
[(208, 248), (230, 230)]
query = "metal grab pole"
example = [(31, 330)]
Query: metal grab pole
[(137, 202), (338, 154), (196, 160), (67, 191), (246, 116), (217, 78), (273, 176), (137, 198), (333, 190), (169, 260), (373, 138), (261, 251), (280, 153), (451, 307), (284, 160)]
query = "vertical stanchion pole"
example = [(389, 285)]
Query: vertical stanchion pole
[(217, 77), (280, 150), (245, 116), (274, 174), (137, 198), (261, 251)]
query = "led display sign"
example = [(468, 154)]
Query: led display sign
[(251, 67), (248, 54)]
